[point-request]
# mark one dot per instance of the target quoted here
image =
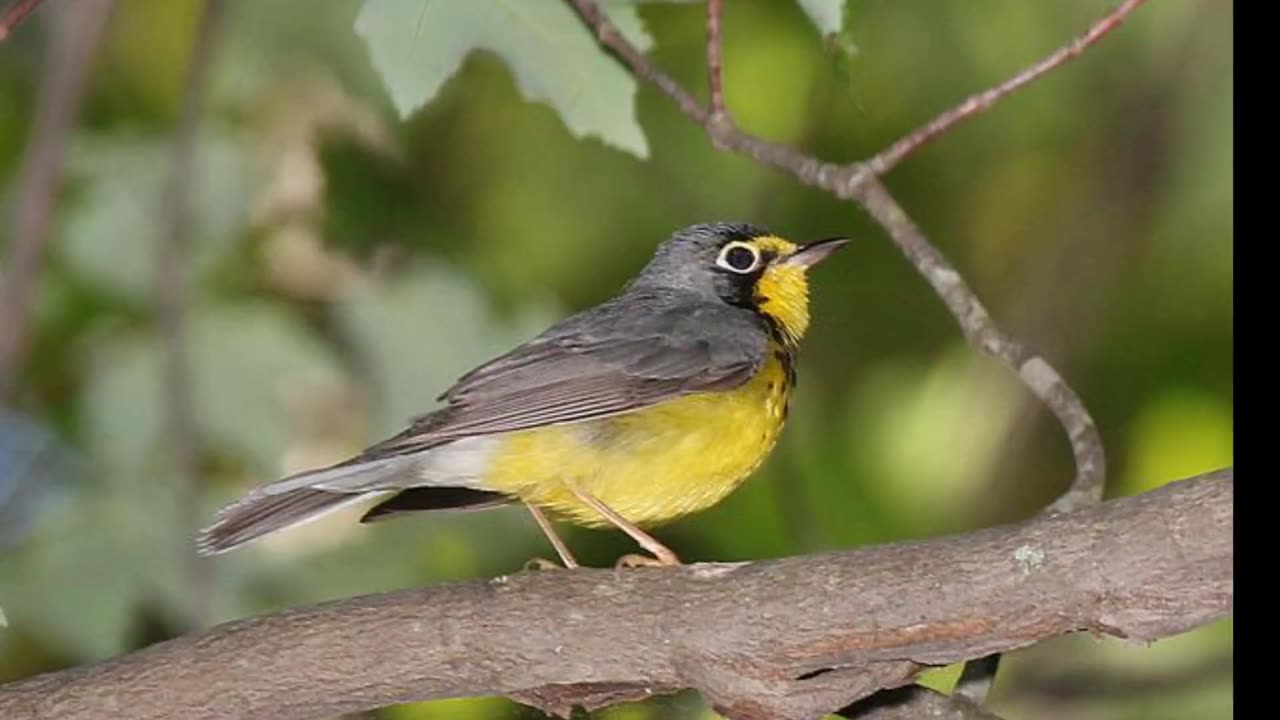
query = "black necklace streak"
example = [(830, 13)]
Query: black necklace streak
[(784, 347), (786, 355)]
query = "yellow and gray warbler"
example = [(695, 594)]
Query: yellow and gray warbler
[(650, 406)]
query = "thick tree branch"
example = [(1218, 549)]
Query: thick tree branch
[(784, 639)]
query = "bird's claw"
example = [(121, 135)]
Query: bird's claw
[(541, 563), (635, 560)]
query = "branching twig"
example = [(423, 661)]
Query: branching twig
[(69, 55), (172, 292), (786, 639), (887, 159), (16, 13)]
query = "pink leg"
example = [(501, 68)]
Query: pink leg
[(662, 555)]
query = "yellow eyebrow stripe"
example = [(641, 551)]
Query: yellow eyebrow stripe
[(774, 244)]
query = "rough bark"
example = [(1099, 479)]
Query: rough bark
[(789, 638)]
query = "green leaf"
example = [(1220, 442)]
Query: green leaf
[(110, 235), (417, 46), (827, 15)]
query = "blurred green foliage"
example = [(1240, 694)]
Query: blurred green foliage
[(349, 263)]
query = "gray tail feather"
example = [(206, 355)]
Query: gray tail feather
[(299, 498), (260, 513)]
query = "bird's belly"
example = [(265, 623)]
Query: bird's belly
[(651, 465)]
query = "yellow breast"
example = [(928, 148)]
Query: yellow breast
[(651, 465)]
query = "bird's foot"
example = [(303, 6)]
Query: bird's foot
[(635, 560)]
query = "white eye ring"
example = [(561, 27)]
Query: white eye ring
[(731, 258)]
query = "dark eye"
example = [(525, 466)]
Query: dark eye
[(739, 257)]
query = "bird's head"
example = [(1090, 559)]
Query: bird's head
[(745, 266)]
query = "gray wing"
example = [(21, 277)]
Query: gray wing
[(620, 357)]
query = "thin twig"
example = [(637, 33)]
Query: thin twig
[(172, 293), (715, 68), (888, 158), (16, 13), (67, 60)]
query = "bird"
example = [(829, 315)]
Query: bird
[(643, 409)]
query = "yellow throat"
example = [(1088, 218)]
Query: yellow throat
[(782, 292)]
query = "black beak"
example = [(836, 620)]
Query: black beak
[(815, 252)]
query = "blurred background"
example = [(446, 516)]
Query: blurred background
[(347, 263)]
